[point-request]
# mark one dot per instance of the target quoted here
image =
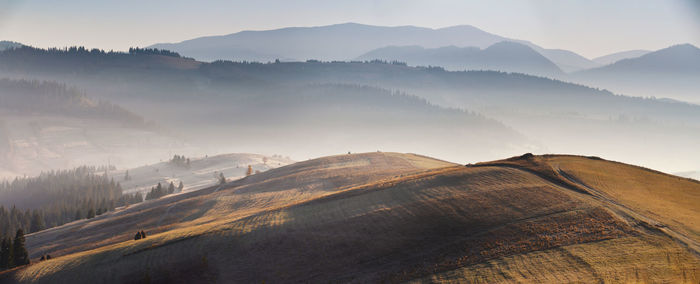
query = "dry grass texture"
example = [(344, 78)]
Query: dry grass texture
[(387, 217)]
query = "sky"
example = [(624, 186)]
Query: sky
[(589, 27)]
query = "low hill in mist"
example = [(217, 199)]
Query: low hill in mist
[(502, 56), (254, 104), (617, 56), (194, 172), (670, 72), (48, 125), (395, 217)]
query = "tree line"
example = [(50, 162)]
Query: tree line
[(58, 197), (181, 161), (159, 191)]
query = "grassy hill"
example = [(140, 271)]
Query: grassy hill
[(395, 217)]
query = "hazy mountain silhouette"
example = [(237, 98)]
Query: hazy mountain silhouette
[(617, 56), (348, 41), (48, 125), (502, 56), (254, 103), (670, 72)]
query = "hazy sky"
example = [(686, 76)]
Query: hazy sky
[(589, 27)]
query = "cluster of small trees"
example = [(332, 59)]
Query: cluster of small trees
[(159, 191), (181, 161), (139, 235), (12, 251), (58, 197)]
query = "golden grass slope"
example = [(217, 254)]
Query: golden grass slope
[(386, 217)]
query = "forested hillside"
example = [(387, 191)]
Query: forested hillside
[(52, 98), (58, 197), (250, 102)]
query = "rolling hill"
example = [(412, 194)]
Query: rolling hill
[(348, 41), (502, 56), (395, 217), (201, 172)]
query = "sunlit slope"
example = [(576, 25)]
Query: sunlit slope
[(667, 202), (390, 217), (274, 188)]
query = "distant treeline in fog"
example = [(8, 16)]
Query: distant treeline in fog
[(43, 97), (58, 197)]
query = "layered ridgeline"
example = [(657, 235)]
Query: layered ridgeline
[(388, 217), (254, 104), (248, 107), (46, 125), (502, 56), (350, 40), (670, 72)]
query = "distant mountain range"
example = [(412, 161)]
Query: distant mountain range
[(617, 56), (670, 72), (348, 41), (502, 56)]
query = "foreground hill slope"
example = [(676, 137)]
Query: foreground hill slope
[(393, 217)]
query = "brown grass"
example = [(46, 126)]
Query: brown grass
[(378, 217)]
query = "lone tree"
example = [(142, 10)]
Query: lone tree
[(180, 187), (249, 171), (91, 213), (19, 252), (222, 178), (171, 188), (6, 253)]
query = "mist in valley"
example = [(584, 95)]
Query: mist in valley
[(239, 135)]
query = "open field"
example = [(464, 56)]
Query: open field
[(389, 217)]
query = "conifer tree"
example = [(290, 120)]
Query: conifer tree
[(5, 253), (19, 252), (171, 188), (180, 187), (37, 223), (222, 179)]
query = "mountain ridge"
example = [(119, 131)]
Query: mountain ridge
[(349, 40), (501, 56)]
